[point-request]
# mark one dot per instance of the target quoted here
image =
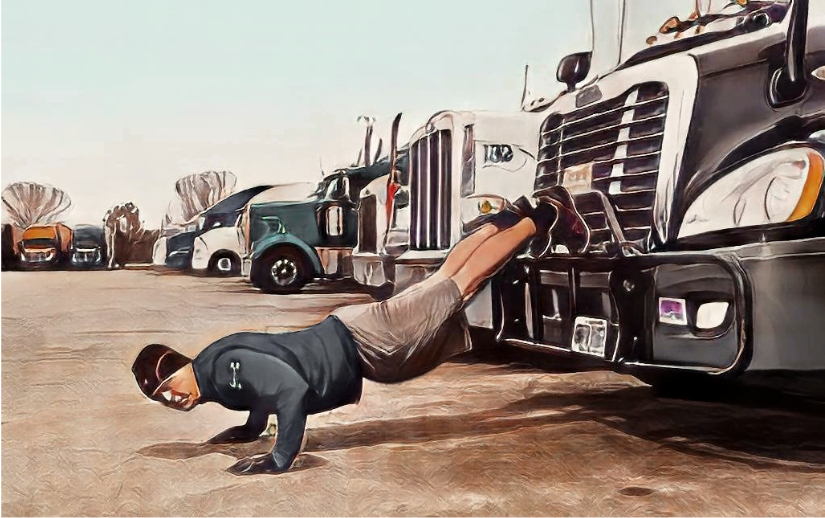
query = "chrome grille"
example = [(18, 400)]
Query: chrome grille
[(430, 167), (86, 256), (622, 139)]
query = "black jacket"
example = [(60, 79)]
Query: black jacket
[(290, 375)]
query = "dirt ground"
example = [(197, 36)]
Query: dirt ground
[(482, 436)]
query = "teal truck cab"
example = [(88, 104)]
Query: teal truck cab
[(292, 242)]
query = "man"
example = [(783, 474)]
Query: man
[(321, 367)]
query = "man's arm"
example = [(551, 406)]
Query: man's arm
[(255, 425), (273, 387), (292, 420)]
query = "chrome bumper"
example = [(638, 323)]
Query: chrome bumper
[(246, 266), (337, 262), (372, 269)]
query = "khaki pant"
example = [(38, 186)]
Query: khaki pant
[(410, 333)]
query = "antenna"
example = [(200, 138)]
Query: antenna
[(378, 151), (367, 138), (394, 144), (392, 178), (524, 89)]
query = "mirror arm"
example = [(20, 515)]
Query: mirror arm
[(789, 82), (797, 39)]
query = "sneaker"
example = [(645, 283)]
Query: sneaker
[(568, 228)]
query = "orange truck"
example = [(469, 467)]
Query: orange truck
[(45, 245)]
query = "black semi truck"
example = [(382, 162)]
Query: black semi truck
[(696, 166)]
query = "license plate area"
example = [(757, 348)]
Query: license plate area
[(578, 179)]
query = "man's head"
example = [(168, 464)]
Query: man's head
[(166, 376)]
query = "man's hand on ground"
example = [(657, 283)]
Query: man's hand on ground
[(254, 465), (234, 435)]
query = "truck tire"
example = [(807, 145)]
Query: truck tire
[(282, 269), (224, 264)]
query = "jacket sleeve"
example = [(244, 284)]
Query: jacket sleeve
[(272, 387)]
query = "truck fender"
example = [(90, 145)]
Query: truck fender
[(267, 243)]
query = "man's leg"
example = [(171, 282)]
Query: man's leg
[(491, 255), (412, 332), (460, 254)]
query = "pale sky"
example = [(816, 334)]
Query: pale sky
[(112, 101)]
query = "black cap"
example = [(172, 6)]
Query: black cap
[(155, 363)]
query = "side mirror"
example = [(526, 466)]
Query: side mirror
[(573, 69), (339, 187), (343, 189)]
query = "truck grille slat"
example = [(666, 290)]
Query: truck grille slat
[(642, 126), (637, 141), (367, 229), (430, 189), (621, 140), (648, 108)]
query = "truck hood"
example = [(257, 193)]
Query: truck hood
[(235, 202), (516, 127)]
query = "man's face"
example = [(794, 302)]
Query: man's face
[(171, 395)]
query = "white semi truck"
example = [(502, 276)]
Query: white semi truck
[(454, 159)]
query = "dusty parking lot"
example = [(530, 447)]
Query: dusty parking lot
[(480, 436)]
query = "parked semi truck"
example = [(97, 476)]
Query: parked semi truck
[(177, 251), (219, 249), (164, 246), (88, 247), (45, 246), (292, 242), (696, 168), (455, 159)]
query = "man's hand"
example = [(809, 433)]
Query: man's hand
[(254, 465), (235, 434)]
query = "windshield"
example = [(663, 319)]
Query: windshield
[(623, 28), (39, 242)]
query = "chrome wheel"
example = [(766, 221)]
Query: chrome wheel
[(224, 265), (284, 271)]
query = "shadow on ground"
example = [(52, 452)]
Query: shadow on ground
[(745, 432), (759, 427)]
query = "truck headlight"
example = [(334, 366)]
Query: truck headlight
[(473, 207), (779, 187), (711, 315)]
